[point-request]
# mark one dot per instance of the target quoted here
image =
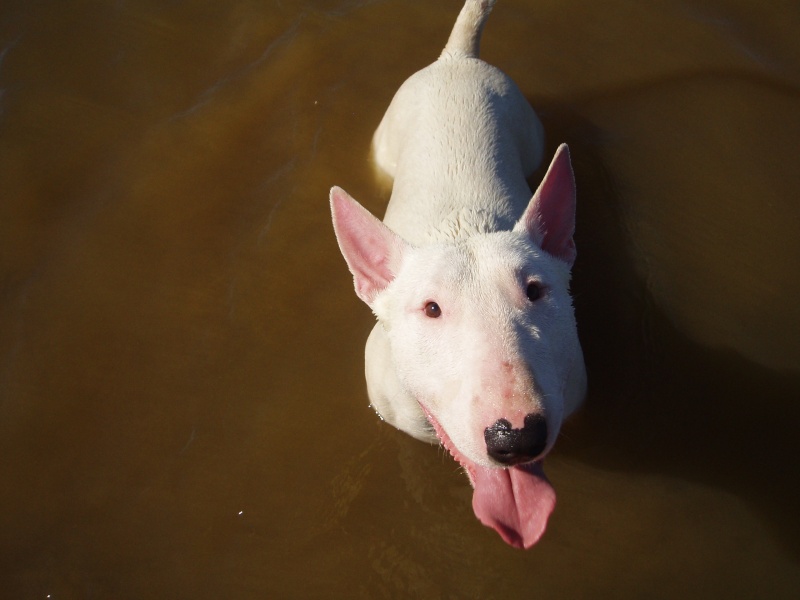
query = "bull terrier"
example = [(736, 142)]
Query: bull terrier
[(476, 346)]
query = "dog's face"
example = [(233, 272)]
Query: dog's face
[(482, 331)]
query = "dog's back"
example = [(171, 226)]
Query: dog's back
[(459, 138)]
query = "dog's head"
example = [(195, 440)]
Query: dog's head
[(481, 329)]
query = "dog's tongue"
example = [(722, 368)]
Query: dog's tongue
[(516, 502)]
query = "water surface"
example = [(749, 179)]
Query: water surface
[(182, 405)]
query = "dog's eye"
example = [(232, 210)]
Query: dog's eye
[(432, 310), (534, 291)]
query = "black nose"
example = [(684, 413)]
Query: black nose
[(514, 446)]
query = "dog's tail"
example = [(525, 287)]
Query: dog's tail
[(465, 39)]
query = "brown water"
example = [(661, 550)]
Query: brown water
[(182, 406)]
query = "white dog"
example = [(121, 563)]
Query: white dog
[(475, 345)]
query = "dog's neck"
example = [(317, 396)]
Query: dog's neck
[(465, 222)]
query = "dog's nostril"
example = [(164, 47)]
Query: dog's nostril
[(510, 446)]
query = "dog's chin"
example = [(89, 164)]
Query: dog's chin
[(467, 463)]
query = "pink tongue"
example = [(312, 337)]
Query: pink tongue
[(516, 502)]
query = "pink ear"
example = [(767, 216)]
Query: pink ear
[(373, 251), (550, 216)]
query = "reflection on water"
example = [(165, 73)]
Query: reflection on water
[(182, 406)]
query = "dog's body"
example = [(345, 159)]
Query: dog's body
[(476, 344)]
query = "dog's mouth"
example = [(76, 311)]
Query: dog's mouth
[(516, 501)]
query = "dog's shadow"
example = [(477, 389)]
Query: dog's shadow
[(659, 402)]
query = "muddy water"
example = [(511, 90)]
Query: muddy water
[(182, 407)]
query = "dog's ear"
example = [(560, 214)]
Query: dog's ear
[(550, 217), (373, 251)]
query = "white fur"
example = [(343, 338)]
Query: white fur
[(462, 230)]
